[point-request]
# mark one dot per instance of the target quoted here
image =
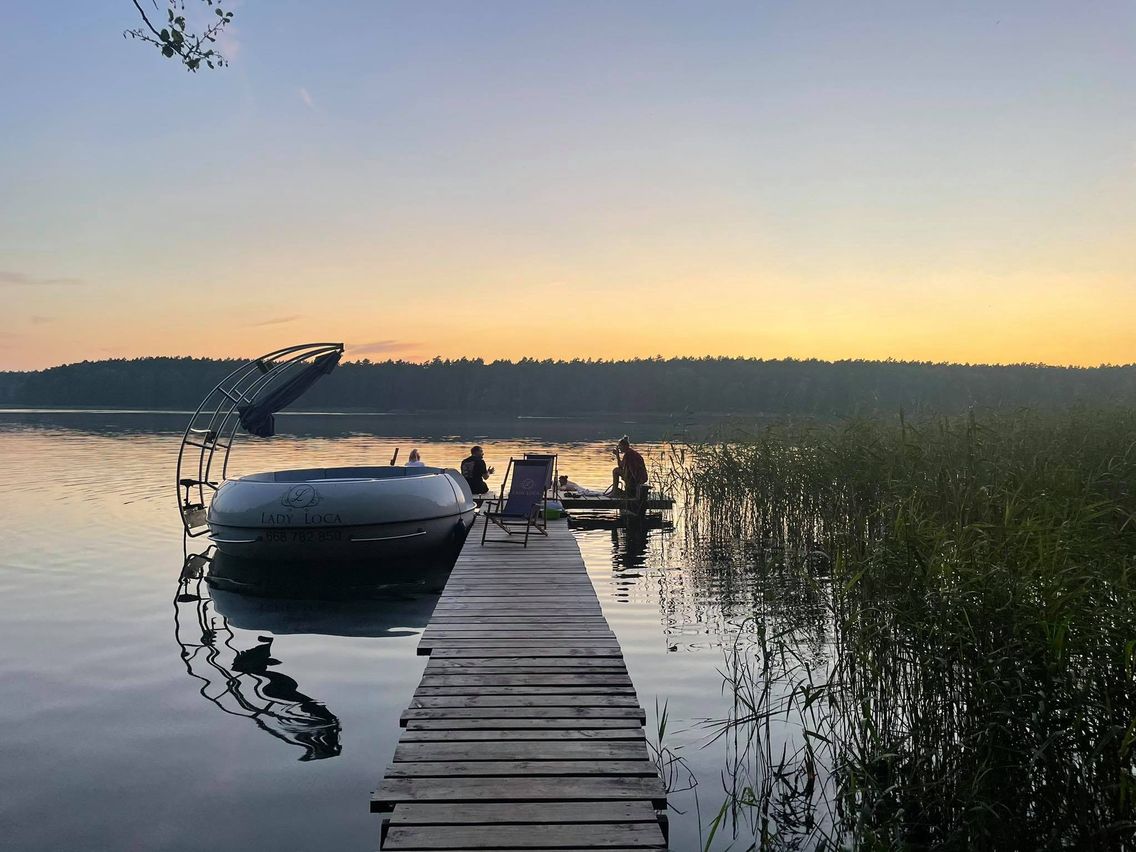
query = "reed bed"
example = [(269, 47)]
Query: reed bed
[(979, 604)]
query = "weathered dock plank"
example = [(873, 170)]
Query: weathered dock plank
[(497, 678), (515, 702), (525, 731), (503, 662), (524, 713), (456, 652), (543, 836), (506, 751), (556, 812), (415, 733), (629, 724), (470, 768), (429, 691), (506, 789)]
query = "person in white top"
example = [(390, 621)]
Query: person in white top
[(567, 485), (415, 460)]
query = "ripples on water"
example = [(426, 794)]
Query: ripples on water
[(136, 720)]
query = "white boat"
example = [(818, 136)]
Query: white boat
[(341, 514), (314, 532)]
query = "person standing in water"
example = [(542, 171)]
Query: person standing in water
[(475, 472), (631, 469)]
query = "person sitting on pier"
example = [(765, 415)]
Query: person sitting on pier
[(632, 470), (567, 484), (475, 472)]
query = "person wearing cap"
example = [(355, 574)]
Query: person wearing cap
[(475, 472), (632, 470)]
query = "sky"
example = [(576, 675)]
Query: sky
[(943, 181)]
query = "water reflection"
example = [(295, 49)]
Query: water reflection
[(741, 617), (461, 428), (94, 531), (630, 543), (237, 671)]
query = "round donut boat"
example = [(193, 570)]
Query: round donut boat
[(340, 529)]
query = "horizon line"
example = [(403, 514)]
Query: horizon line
[(637, 359)]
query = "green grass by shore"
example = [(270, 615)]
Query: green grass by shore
[(977, 579)]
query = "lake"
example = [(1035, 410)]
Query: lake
[(122, 731)]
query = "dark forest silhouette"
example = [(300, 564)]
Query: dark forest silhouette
[(671, 385)]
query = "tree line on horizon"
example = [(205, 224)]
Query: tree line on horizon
[(559, 388)]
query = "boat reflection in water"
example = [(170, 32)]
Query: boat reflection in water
[(237, 670)]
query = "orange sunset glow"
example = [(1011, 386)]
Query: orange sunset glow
[(568, 425), (655, 182)]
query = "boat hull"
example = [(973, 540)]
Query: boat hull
[(331, 544), (337, 580), (338, 532)]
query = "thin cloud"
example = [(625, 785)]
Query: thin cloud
[(277, 320), (23, 279), (378, 347), (38, 320), (305, 97), (229, 43)]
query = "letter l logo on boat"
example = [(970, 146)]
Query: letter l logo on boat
[(301, 497)]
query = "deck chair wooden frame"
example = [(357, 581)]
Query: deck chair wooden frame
[(522, 506)]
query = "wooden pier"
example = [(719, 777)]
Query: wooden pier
[(525, 731)]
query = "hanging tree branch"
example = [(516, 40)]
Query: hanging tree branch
[(191, 48)]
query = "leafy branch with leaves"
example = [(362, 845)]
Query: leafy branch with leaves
[(191, 47)]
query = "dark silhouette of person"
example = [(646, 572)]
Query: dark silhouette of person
[(475, 472), (631, 469)]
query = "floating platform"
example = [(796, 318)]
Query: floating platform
[(654, 503), (608, 521), (525, 731)]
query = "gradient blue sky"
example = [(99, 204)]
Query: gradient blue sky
[(943, 181)]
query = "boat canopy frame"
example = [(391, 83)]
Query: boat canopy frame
[(213, 427)]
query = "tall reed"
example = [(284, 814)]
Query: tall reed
[(977, 572)]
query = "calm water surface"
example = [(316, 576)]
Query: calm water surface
[(121, 731)]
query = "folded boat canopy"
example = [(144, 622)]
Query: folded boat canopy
[(256, 417), (246, 397)]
